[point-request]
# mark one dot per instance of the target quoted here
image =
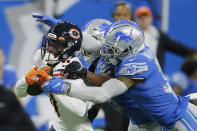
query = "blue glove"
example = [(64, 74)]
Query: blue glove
[(55, 85), (50, 21)]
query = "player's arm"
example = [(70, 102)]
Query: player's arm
[(48, 20), (32, 81), (95, 79), (93, 111), (75, 68), (111, 88), (21, 88), (130, 74), (23, 84)]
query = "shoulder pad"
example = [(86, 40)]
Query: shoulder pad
[(102, 68), (134, 68)]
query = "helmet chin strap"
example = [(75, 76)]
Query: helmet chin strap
[(63, 54)]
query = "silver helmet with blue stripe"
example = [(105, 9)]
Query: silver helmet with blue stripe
[(93, 34), (122, 38)]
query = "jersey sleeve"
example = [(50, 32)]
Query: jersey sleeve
[(135, 68), (21, 88)]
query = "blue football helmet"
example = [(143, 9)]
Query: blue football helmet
[(122, 38)]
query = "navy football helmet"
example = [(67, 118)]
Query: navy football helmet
[(62, 41)]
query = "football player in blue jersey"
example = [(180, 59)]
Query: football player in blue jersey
[(137, 76)]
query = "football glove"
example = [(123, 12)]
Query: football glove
[(48, 20), (37, 77), (56, 85), (75, 69)]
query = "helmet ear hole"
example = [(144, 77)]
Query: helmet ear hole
[(69, 44), (130, 49), (126, 51)]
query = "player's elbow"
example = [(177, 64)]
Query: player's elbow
[(20, 93), (21, 88), (109, 89)]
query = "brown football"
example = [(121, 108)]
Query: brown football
[(34, 90)]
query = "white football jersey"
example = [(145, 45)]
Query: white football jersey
[(71, 113)]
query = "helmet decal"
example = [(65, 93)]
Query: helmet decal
[(52, 35), (103, 27), (122, 36), (74, 33), (123, 22), (61, 38)]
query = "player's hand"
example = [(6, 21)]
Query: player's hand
[(31, 77), (55, 85), (43, 75), (37, 77), (75, 69), (50, 21)]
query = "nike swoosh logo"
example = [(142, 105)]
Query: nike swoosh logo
[(132, 59), (79, 69), (45, 84), (56, 85)]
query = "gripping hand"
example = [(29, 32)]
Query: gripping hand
[(55, 85), (35, 76), (48, 20), (75, 69)]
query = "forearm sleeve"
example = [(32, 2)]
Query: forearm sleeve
[(21, 88), (109, 89)]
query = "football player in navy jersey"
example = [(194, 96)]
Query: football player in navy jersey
[(137, 76)]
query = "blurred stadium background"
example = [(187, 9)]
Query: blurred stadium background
[(20, 35)]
